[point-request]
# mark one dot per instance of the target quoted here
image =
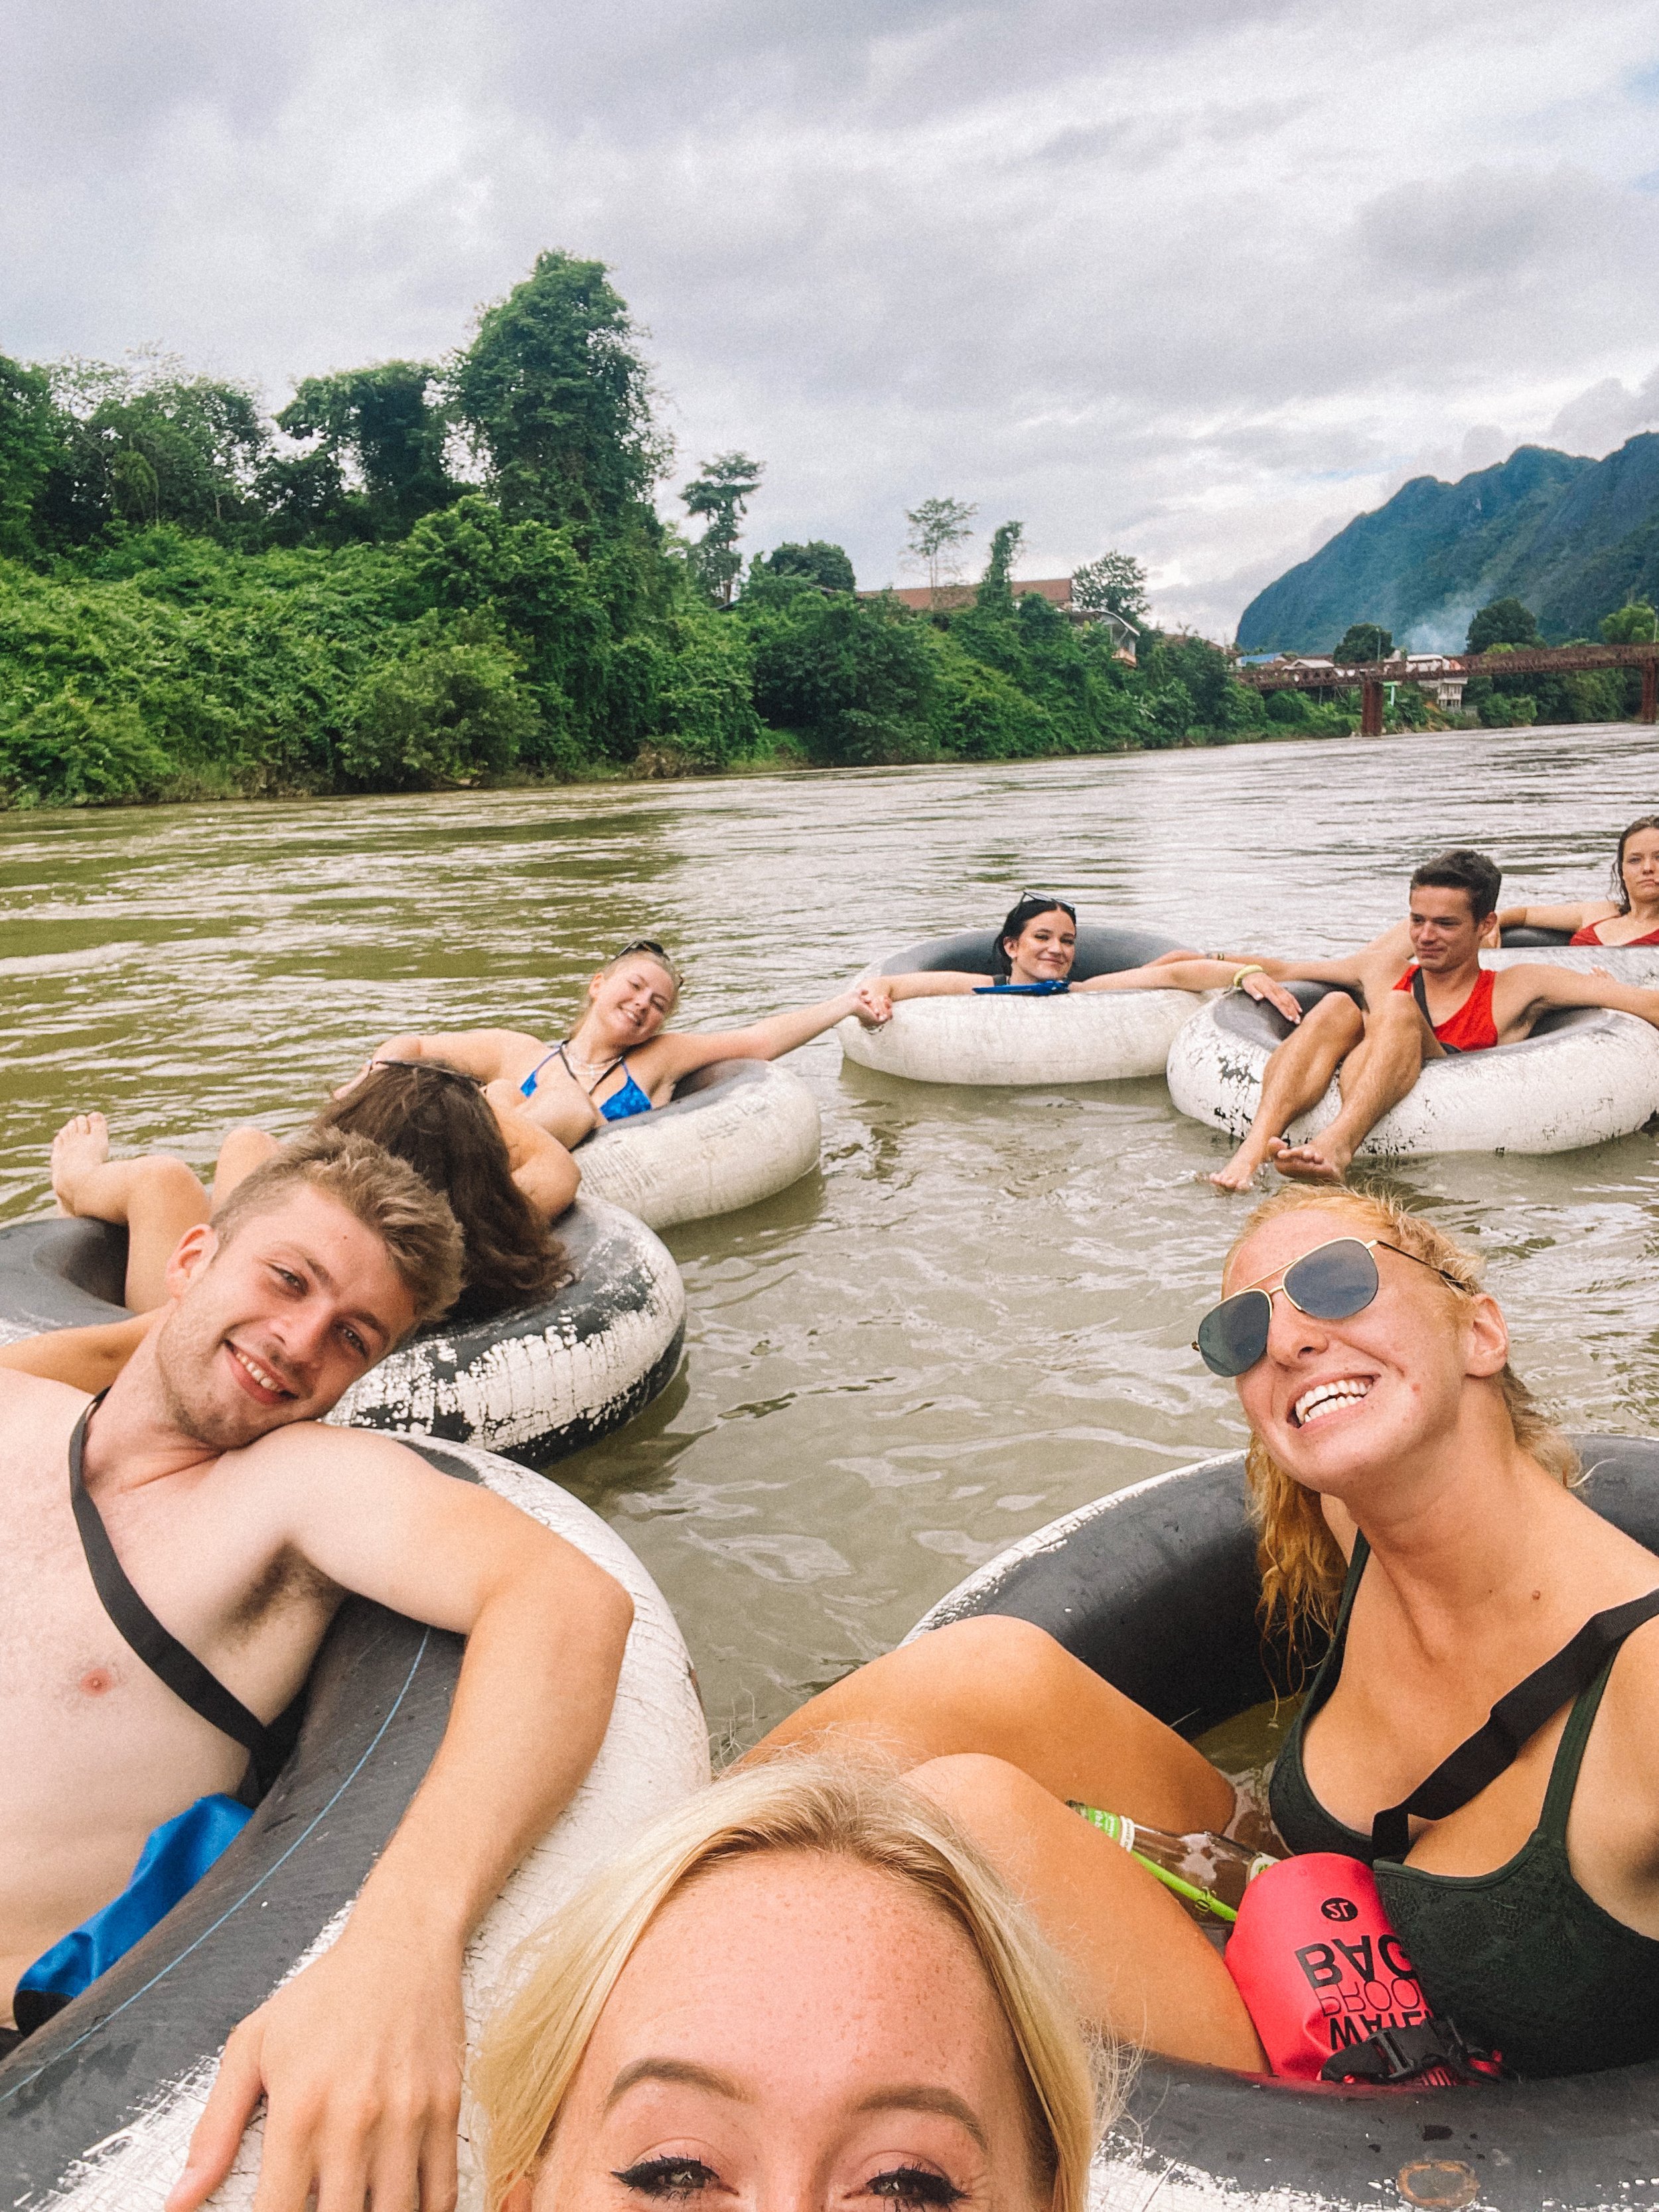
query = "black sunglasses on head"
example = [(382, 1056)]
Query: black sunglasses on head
[(1048, 900), (1332, 1282), (648, 945)]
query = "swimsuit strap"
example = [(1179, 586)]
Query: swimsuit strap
[(158, 1647), (528, 1085), (620, 1061), (1517, 1716), (1420, 993)]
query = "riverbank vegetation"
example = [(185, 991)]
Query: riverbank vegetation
[(420, 576)]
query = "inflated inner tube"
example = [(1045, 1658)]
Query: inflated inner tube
[(1583, 1076), (1099, 1038), (735, 1132), (96, 2108), (537, 1382), (1155, 1588)]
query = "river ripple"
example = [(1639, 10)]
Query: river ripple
[(978, 1316)]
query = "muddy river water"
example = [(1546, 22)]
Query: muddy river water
[(978, 1315)]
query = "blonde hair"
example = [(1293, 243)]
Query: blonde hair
[(799, 1802), (1300, 1561), (411, 1219)]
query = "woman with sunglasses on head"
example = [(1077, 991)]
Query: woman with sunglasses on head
[(1629, 916), (504, 1179), (1035, 950), (1412, 1501), (619, 1060)]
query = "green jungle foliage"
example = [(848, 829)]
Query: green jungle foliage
[(422, 575)]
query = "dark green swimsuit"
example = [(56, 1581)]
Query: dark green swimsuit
[(1521, 1958)]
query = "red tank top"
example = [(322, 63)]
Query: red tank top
[(1472, 1027), (1588, 937)]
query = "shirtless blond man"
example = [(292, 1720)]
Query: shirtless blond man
[(1420, 993), (243, 1524)]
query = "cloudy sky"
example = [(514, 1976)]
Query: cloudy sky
[(1200, 280)]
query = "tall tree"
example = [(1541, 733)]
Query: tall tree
[(940, 528), (150, 443), (28, 445), (1115, 584), (1506, 622), (556, 399), (1634, 623), (818, 561), (1364, 641), (720, 492), (996, 591), (384, 430)]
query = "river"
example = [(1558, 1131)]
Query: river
[(978, 1316)]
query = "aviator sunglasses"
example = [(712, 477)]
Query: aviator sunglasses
[(1332, 1282)]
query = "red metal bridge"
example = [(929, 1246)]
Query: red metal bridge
[(1371, 676)]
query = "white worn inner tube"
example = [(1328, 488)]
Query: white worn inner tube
[(538, 1381), (1582, 1077), (97, 2109), (1010, 1040), (1155, 1588), (735, 1133)]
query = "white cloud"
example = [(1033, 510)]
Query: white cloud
[(1194, 281)]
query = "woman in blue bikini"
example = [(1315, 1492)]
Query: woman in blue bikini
[(619, 1060)]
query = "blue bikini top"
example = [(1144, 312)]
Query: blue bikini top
[(621, 1106), (1024, 990)]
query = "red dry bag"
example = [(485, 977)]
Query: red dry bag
[(1328, 1985)]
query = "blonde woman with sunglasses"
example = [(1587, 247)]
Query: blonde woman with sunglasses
[(1413, 1502), (620, 1060)]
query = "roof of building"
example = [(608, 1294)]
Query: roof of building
[(948, 597)]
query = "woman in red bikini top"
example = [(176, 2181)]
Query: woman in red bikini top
[(1630, 917)]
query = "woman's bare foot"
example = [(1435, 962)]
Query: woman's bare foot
[(80, 1145), (1318, 1160)]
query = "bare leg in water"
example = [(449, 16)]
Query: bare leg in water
[(992, 1718), (1376, 1075), (1297, 1077), (156, 1198)]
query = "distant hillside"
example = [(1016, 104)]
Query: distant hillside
[(1573, 539)]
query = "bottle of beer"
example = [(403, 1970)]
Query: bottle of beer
[(1208, 1873)]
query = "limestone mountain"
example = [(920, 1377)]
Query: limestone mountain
[(1572, 537)]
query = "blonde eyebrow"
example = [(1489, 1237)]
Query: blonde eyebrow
[(684, 2071), (922, 2097)]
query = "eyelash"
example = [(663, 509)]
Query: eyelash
[(661, 2177), (911, 2188), (916, 2188)]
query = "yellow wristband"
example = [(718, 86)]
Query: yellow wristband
[(1256, 967)]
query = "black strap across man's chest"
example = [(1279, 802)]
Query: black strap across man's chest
[(1513, 1720), (268, 1746), (1420, 993)]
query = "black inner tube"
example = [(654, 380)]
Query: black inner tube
[(1156, 1590)]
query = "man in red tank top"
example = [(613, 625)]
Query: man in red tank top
[(1413, 994)]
